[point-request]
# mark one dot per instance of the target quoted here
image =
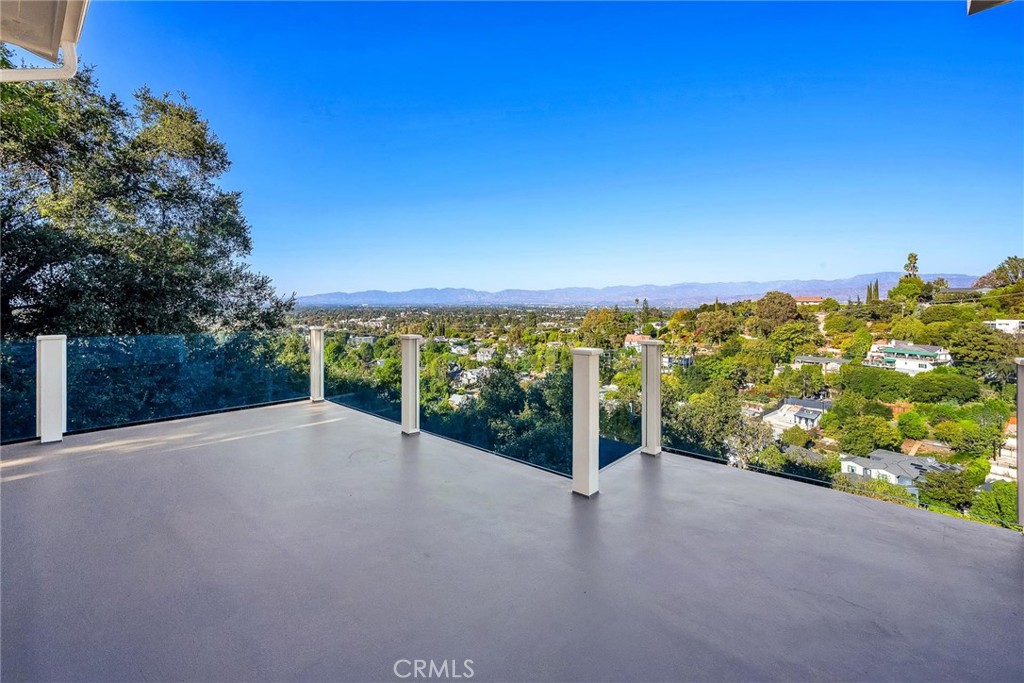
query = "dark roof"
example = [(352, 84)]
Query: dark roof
[(821, 360), (901, 464), (805, 454), (808, 414), (807, 403)]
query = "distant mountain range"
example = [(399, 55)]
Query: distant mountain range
[(679, 295)]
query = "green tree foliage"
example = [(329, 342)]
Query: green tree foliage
[(792, 338), (984, 350), (1007, 273), (112, 220), (848, 406), (771, 458), (859, 345), (716, 326), (706, 421), (605, 328), (976, 471), (907, 290), (750, 437), (928, 387), (774, 309), (999, 504), (829, 304), (807, 382), (938, 386), (865, 433), (875, 488), (947, 313), (797, 436), (840, 322), (968, 439), (909, 329), (874, 383), (950, 488), (911, 267), (912, 425)]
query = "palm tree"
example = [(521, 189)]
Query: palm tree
[(911, 266)]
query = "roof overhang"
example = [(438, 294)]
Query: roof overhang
[(975, 6), (45, 28)]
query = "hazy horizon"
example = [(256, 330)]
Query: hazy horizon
[(633, 285)]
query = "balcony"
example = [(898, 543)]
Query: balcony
[(314, 542)]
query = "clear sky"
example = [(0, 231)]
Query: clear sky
[(486, 145)]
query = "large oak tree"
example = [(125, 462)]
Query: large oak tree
[(113, 221)]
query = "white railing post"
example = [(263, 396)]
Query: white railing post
[(316, 364), (51, 387), (411, 383), (650, 395), (1020, 440), (585, 420)]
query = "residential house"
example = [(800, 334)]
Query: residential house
[(827, 364), (485, 355), (360, 339), (907, 357), (472, 377), (458, 348), (1008, 326), (632, 341), (895, 468), (809, 300), (796, 412)]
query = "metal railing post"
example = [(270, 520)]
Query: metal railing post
[(585, 421), (316, 364), (51, 387), (411, 383), (650, 396)]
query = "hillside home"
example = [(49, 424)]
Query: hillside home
[(632, 341), (906, 357), (796, 412), (895, 468), (485, 355), (361, 339), (470, 378), (827, 364), (1007, 326), (809, 300)]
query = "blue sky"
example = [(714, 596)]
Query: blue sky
[(486, 145)]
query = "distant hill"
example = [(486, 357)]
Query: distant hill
[(678, 295)]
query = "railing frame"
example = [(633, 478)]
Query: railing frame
[(411, 383), (650, 396), (316, 364), (586, 408), (51, 387)]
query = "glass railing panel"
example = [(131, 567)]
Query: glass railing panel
[(364, 373), (619, 373), (128, 379), (812, 441), (502, 399), (17, 390)]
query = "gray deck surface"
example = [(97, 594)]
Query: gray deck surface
[(302, 542)]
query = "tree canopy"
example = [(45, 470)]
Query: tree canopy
[(112, 218)]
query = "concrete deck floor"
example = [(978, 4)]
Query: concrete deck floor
[(302, 542)]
